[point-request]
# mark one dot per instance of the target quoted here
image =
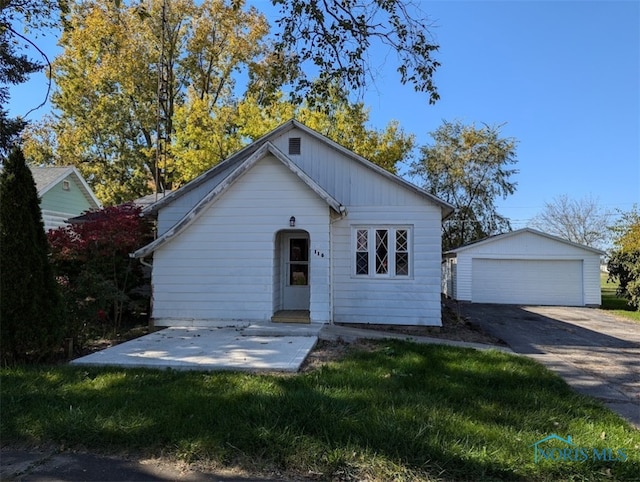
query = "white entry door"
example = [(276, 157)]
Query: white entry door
[(295, 277)]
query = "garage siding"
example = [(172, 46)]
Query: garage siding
[(521, 281), (505, 268)]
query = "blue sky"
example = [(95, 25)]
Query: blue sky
[(562, 76)]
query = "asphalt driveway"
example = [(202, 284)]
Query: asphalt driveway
[(596, 353)]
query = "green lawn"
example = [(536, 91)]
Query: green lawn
[(612, 303), (401, 411)]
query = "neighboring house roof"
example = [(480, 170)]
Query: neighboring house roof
[(149, 199), (497, 237), (242, 167), (242, 155), (141, 202), (48, 177)]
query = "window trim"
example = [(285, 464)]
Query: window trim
[(391, 251)]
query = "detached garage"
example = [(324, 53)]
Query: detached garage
[(524, 267)]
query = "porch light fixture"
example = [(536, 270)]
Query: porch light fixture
[(292, 221)]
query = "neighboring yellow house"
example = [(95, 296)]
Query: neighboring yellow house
[(63, 194)]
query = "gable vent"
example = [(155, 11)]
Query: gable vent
[(294, 146)]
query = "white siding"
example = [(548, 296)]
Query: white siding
[(529, 246), (277, 275), (175, 211), (348, 181), (222, 267), (591, 280), (413, 301)]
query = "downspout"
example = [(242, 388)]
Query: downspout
[(145, 263)]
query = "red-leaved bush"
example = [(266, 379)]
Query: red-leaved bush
[(101, 283)]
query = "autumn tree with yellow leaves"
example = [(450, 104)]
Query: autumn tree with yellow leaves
[(624, 260), (224, 81)]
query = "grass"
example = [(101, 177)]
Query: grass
[(614, 304), (400, 411)]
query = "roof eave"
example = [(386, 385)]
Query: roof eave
[(447, 209), (490, 239), (245, 166)]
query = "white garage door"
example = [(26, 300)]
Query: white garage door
[(517, 281)]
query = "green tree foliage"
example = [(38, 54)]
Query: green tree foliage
[(581, 221), (106, 119), (101, 284), (31, 312), (624, 262), (469, 167), (107, 84), (15, 65), (333, 39), (203, 140)]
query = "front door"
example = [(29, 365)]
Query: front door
[(295, 271)]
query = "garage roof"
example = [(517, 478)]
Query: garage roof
[(497, 237)]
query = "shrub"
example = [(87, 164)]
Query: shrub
[(624, 267), (102, 285)]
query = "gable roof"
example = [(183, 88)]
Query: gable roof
[(241, 169), (510, 234), (47, 178), (239, 156)]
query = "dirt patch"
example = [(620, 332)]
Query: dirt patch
[(454, 327)]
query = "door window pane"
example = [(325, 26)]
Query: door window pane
[(298, 274), (299, 249)]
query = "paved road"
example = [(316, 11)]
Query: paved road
[(596, 353), (52, 466)]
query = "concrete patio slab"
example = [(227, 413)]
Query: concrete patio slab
[(253, 348)]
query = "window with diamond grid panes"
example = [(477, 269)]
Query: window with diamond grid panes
[(362, 251), (402, 252), (382, 251)]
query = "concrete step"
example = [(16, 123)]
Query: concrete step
[(282, 329)]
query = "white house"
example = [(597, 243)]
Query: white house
[(523, 267), (295, 221)]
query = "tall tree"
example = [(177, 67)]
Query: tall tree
[(106, 118), (31, 312), (581, 221), (624, 262), (332, 40), (15, 64), (202, 139), (107, 82), (469, 167)]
